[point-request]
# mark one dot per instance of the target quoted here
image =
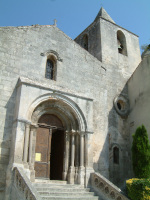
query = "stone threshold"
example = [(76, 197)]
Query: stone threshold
[(50, 181)]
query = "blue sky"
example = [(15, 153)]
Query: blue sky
[(73, 16)]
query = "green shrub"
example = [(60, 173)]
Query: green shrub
[(138, 189), (141, 153)]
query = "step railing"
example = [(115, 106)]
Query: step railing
[(105, 189), (22, 186)]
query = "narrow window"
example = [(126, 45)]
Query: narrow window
[(85, 42), (116, 155), (49, 69), (122, 48)]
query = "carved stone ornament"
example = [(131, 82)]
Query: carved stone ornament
[(106, 190), (121, 105), (96, 181), (112, 194), (52, 52), (101, 185), (119, 198), (22, 186)]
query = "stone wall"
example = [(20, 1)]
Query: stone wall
[(139, 96)]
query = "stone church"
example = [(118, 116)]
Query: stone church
[(68, 109)]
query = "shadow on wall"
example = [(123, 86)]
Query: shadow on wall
[(116, 152), (7, 134)]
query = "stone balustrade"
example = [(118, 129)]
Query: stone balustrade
[(105, 189), (23, 187)]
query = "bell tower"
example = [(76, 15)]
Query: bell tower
[(118, 52), (110, 43)]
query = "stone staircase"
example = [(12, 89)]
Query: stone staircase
[(23, 188), (60, 190)]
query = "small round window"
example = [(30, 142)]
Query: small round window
[(121, 105)]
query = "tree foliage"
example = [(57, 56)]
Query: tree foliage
[(138, 189), (141, 153), (144, 47)]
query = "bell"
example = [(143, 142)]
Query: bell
[(120, 47)]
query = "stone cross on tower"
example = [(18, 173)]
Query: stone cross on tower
[(55, 22)]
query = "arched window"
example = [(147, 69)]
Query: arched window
[(85, 42), (50, 69), (116, 155), (122, 48)]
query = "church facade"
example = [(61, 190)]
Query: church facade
[(68, 107)]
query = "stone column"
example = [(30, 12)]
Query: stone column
[(66, 155), (32, 144), (81, 149), (72, 168), (88, 157), (72, 148), (30, 147), (81, 168), (76, 157), (26, 145)]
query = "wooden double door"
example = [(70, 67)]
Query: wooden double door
[(49, 149)]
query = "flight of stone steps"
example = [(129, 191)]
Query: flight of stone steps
[(60, 190)]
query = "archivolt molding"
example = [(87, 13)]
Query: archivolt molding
[(52, 52), (52, 108), (115, 145), (60, 105)]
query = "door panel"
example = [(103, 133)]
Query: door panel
[(49, 149), (42, 154), (41, 170)]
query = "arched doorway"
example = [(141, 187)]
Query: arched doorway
[(66, 124), (49, 149)]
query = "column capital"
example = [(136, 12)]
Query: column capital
[(67, 132), (77, 132), (72, 132), (81, 133), (67, 135), (28, 125), (34, 126), (22, 120)]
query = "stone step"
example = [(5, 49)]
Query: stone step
[(66, 194), (50, 181), (47, 189), (69, 198), (38, 185), (57, 191)]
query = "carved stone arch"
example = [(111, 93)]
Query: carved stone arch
[(65, 105), (53, 53), (113, 145), (63, 119), (51, 107), (121, 40)]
